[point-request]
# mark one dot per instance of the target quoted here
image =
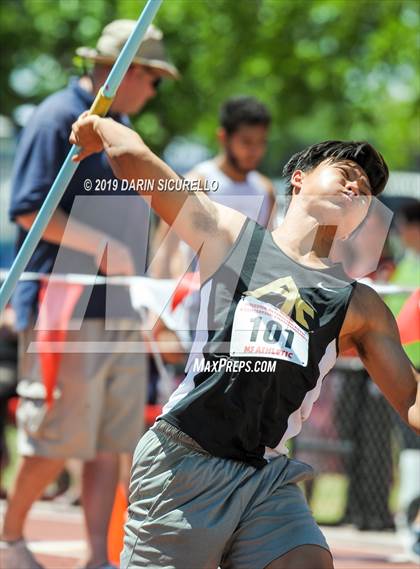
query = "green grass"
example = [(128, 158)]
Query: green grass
[(328, 502), (329, 498)]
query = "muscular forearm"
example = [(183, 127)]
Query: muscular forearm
[(75, 235)]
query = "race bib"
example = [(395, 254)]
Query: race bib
[(261, 330)]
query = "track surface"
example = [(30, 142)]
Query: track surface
[(55, 534)]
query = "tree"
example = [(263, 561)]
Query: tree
[(326, 68)]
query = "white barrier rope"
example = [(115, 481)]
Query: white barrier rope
[(89, 280)]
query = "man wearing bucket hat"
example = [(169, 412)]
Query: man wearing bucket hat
[(98, 412), (150, 54), (149, 66)]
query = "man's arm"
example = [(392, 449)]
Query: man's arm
[(79, 236), (82, 238), (207, 227), (372, 330)]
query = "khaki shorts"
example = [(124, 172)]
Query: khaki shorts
[(99, 398), (191, 510)]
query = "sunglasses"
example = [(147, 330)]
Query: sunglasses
[(157, 82)]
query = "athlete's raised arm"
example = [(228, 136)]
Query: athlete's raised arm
[(207, 227), (370, 327)]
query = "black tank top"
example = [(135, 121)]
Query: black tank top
[(266, 337)]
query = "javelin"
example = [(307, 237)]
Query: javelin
[(100, 106)]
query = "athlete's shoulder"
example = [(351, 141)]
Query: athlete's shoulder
[(367, 310), (365, 296)]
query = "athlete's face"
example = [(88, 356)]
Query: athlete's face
[(246, 147), (336, 193)]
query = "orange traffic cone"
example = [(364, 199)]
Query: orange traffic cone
[(116, 525)]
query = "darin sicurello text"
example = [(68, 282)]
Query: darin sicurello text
[(146, 185), (172, 185)]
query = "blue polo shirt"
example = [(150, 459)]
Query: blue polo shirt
[(40, 154)]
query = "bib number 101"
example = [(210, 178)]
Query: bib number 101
[(272, 332)]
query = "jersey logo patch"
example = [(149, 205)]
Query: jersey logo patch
[(286, 288)]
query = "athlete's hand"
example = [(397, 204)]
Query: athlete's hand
[(117, 260), (85, 135)]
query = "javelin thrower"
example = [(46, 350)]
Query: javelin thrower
[(212, 484)]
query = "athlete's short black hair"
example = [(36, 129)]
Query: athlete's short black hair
[(363, 153), (239, 111)]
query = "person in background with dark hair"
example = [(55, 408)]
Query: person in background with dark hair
[(232, 175), (365, 421), (407, 273), (242, 135), (212, 484)]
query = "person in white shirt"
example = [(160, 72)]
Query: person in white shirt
[(230, 178)]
